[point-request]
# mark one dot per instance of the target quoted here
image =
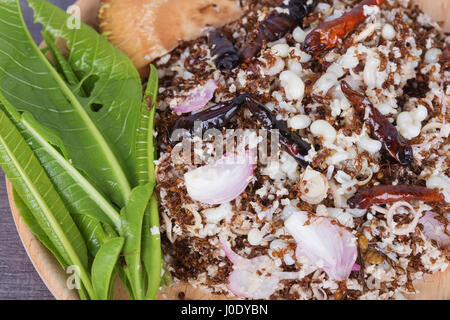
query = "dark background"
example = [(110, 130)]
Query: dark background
[(18, 279)]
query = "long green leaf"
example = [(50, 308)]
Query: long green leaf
[(92, 232), (132, 216), (100, 142), (145, 152), (80, 196), (151, 248), (83, 200), (103, 267), (60, 62), (35, 228), (85, 203), (31, 182), (144, 144)]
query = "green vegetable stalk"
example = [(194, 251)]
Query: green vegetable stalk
[(76, 142)]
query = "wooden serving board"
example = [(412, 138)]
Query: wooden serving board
[(436, 286)]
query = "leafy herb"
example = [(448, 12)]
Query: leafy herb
[(103, 267), (35, 228), (38, 193), (93, 139), (76, 142), (146, 150), (132, 216)]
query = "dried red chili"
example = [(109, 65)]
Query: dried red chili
[(293, 143), (277, 25), (216, 116), (219, 115), (389, 193), (226, 55), (380, 127), (327, 35)]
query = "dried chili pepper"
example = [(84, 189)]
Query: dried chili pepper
[(226, 55), (219, 115), (389, 193), (327, 35), (380, 127), (276, 25), (214, 117), (293, 143)]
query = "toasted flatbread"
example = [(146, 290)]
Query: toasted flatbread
[(147, 29)]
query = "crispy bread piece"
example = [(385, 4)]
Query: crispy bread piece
[(147, 29)]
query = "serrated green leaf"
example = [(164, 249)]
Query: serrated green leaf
[(101, 143), (151, 248), (145, 152), (92, 232), (36, 190), (60, 62), (35, 228), (145, 147), (132, 216), (80, 196)]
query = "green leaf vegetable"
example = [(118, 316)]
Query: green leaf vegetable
[(145, 151), (132, 218), (99, 141), (103, 267), (38, 193), (76, 142)]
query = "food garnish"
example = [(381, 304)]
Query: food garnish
[(247, 281), (436, 228), (225, 54), (197, 98), (221, 181), (392, 193), (332, 33), (323, 243), (276, 25), (219, 115), (380, 127)]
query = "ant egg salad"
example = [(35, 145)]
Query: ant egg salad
[(304, 152)]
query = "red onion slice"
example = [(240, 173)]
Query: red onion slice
[(325, 245), (197, 98), (435, 230), (221, 181), (247, 284), (245, 281)]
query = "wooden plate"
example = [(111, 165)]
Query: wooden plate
[(54, 277)]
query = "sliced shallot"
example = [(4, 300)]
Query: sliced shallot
[(197, 98), (221, 181), (404, 229), (435, 230), (255, 278), (325, 245)]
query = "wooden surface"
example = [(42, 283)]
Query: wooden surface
[(435, 287)]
